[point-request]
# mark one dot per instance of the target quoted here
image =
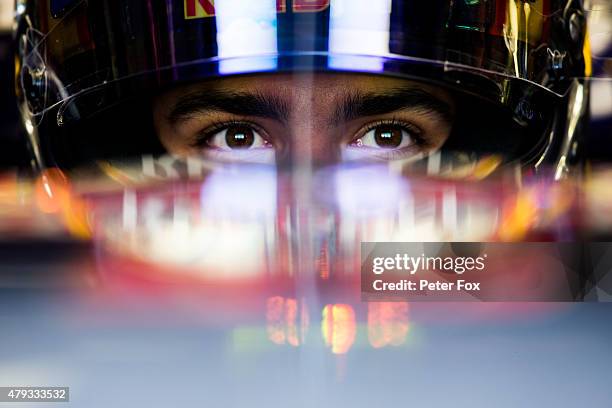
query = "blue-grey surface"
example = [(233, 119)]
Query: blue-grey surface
[(169, 353)]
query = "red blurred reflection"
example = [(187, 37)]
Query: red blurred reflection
[(287, 320), (387, 323)]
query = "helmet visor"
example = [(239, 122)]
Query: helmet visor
[(71, 47)]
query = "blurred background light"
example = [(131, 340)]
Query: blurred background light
[(246, 35), (600, 20), (6, 15), (360, 30), (339, 327)]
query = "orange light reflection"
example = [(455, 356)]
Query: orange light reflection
[(387, 323), (338, 327)]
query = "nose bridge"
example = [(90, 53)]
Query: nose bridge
[(313, 142), (311, 139)]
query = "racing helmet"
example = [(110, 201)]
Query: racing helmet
[(86, 70)]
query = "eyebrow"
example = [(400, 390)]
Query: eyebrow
[(358, 105), (237, 103), (352, 106)]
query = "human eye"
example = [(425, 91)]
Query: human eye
[(387, 140), (236, 141), (233, 136)]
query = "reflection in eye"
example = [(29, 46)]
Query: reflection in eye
[(236, 137), (387, 141), (386, 137), (236, 143)]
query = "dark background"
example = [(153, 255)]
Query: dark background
[(13, 151)]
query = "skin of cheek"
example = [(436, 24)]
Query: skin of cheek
[(171, 138), (437, 130)]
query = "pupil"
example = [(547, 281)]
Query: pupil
[(387, 136), (239, 137)]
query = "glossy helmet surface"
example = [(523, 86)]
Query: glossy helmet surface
[(86, 70)]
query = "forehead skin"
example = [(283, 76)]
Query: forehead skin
[(312, 99)]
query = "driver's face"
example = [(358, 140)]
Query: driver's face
[(326, 118)]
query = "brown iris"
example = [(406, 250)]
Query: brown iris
[(239, 137), (388, 136)]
